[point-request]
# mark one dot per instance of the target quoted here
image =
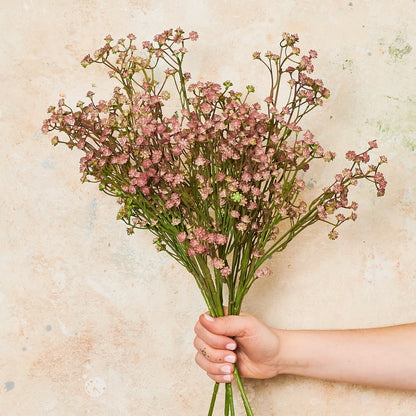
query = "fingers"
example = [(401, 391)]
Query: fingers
[(219, 371), (212, 339), (213, 355), (231, 325), (216, 346)]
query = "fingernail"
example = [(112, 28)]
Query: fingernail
[(227, 378), (230, 359), (230, 347), (226, 369), (208, 318)]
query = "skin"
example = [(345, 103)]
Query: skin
[(379, 357)]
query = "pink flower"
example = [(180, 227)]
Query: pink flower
[(174, 201), (350, 155), (206, 108), (200, 161), (246, 177), (218, 263), (241, 226), (181, 236), (365, 157), (205, 192), (321, 212), (373, 144), (221, 176), (193, 35), (263, 272), (340, 217), (308, 137), (200, 249), (245, 219), (333, 235), (221, 239), (313, 54), (201, 234), (225, 271)]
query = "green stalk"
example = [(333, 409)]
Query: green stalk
[(229, 401), (213, 398), (247, 406)]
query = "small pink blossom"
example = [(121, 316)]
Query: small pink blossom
[(373, 144), (321, 212), (221, 239), (245, 219), (181, 236), (193, 35), (263, 272), (201, 234), (333, 235), (221, 176), (206, 108), (218, 263), (241, 226), (350, 155), (313, 54), (225, 271), (201, 161)]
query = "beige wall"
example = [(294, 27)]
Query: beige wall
[(84, 305)]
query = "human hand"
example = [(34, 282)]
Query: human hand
[(244, 339)]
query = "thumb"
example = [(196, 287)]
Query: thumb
[(230, 325)]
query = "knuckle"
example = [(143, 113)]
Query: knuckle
[(196, 327)]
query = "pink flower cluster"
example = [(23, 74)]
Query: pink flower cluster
[(218, 174)]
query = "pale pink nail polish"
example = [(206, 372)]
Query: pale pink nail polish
[(226, 369), (230, 347), (208, 318), (230, 358), (227, 378)]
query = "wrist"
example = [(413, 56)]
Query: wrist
[(286, 359), (280, 366)]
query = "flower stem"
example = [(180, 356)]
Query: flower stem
[(229, 402), (237, 376), (214, 396)]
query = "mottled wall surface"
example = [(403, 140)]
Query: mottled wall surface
[(93, 322)]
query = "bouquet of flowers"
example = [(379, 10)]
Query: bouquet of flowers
[(219, 181)]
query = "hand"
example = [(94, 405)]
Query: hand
[(244, 339)]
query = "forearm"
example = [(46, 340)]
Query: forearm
[(383, 357)]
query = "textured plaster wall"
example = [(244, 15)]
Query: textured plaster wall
[(93, 322)]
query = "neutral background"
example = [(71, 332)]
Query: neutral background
[(93, 322)]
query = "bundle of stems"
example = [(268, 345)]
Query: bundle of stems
[(219, 180)]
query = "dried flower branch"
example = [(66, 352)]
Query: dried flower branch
[(218, 182)]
